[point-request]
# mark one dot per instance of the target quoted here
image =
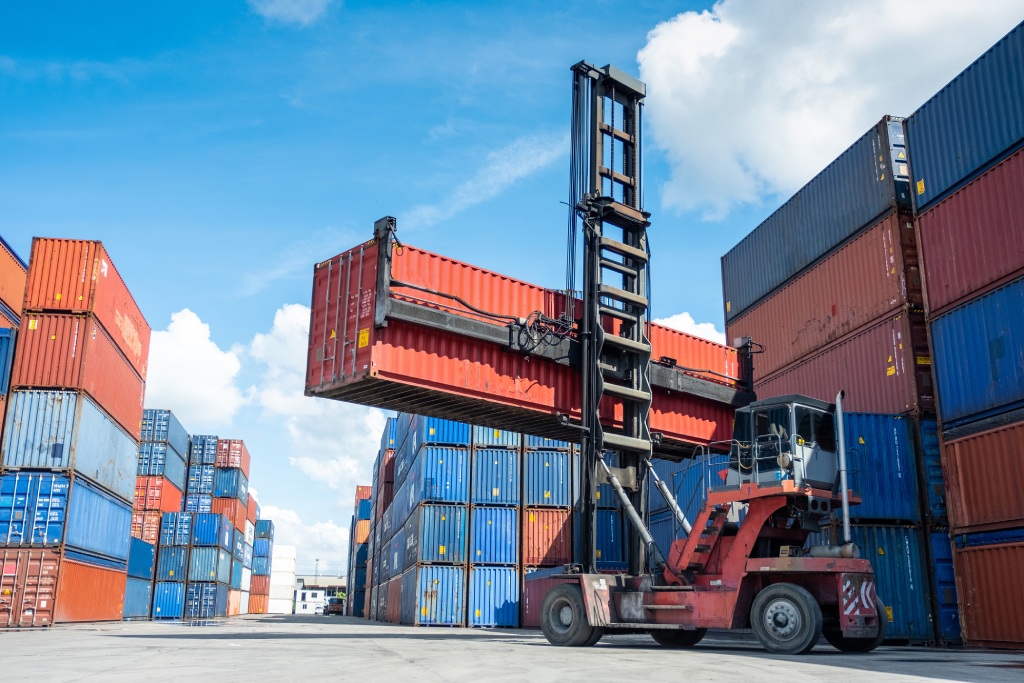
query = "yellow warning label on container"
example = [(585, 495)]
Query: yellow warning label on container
[(479, 552), (334, 334), (423, 611), (890, 371), (924, 360), (547, 464), (441, 549), (728, 307), (364, 337), (597, 553), (920, 187), (880, 551), (533, 517), (488, 583), (170, 573), (888, 612), (547, 494), (497, 433), (444, 517), (58, 296), (901, 155), (478, 614), (33, 324), (431, 431), (490, 521), (598, 495), (860, 440), (495, 492)]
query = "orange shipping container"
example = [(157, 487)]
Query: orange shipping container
[(990, 596), (28, 586), (146, 526), (233, 453), (86, 592), (984, 473), (260, 585), (258, 603), (12, 278), (362, 531), (233, 508), (59, 351), (250, 512), (547, 537), (78, 276), (234, 603), (156, 493)]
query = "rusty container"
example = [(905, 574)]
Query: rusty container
[(363, 493), (884, 368), (234, 509), (146, 526), (258, 604), (28, 586), (156, 494), (547, 536), (988, 586), (394, 606), (984, 474), (260, 585), (87, 592), (233, 453), (858, 284), (13, 274), (77, 276), (62, 351)]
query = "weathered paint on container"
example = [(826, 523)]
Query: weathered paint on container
[(198, 502), (176, 528), (168, 599), (213, 529), (262, 547), (972, 121), (434, 533), (493, 596), (206, 600), (944, 588), (495, 475), (163, 425), (546, 478), (234, 602), (261, 566), (438, 474), (141, 559), (138, 596), (547, 536), (236, 575), (494, 535), (382, 601), (231, 483), (971, 240), (396, 556), (884, 368), (28, 584), (201, 478), (209, 564), (87, 592), (7, 339), (172, 563), (978, 350), (203, 450), (74, 352), (393, 607), (867, 278), (156, 493), (991, 601), (233, 453), (983, 479), (852, 192), (13, 274), (66, 430), (157, 460), (265, 529), (251, 508), (536, 585), (146, 526), (882, 466), (488, 436), (610, 548), (238, 545), (434, 595), (260, 584), (233, 509)]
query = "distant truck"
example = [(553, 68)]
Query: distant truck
[(335, 606)]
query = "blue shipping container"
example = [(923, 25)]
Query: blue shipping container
[(33, 508), (488, 436), (362, 554), (543, 443), (611, 547), (546, 478), (172, 563), (387, 437), (495, 476), (201, 478), (168, 600), (156, 459), (137, 598), (206, 600), (212, 529), (365, 509), (236, 575), (7, 339), (434, 595), (247, 556), (265, 529), (494, 536), (882, 469), (978, 349), (435, 431), (434, 533), (209, 564), (969, 124), (162, 425), (176, 528), (238, 544), (934, 478), (262, 547), (198, 502), (141, 559), (945, 588), (396, 554), (438, 474), (494, 596), (231, 483), (261, 566), (66, 430), (606, 496), (203, 450), (664, 530)]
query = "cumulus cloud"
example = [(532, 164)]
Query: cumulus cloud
[(191, 375), (301, 12), (684, 322), (324, 540), (503, 168), (752, 99)]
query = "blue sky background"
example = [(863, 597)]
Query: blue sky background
[(220, 149)]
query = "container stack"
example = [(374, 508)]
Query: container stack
[(207, 592), (13, 273), (71, 437), (231, 499), (202, 472), (968, 171), (172, 565), (358, 552), (161, 474), (138, 592), (262, 565), (381, 497)]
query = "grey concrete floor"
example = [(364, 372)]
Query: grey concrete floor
[(293, 649)]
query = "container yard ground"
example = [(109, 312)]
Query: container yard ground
[(276, 648)]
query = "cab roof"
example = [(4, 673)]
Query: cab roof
[(792, 398)]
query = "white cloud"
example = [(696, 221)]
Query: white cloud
[(302, 12), (753, 98), (191, 375), (325, 541), (295, 260), (503, 168), (684, 322)]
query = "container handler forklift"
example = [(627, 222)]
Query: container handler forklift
[(785, 463)]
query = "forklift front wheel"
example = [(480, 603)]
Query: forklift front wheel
[(563, 618), (680, 638), (786, 619)]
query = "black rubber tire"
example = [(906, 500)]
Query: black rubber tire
[(681, 638), (563, 618), (859, 645), (786, 619)]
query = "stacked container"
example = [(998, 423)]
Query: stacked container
[(209, 566), (358, 552), (231, 498), (262, 565), (71, 434), (161, 474), (138, 593), (13, 273)]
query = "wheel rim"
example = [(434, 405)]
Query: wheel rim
[(782, 619), (560, 616)]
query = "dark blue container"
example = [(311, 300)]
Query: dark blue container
[(141, 559), (162, 425), (201, 478), (238, 544), (265, 529), (546, 478), (365, 509), (362, 554), (396, 552), (203, 450), (247, 556), (168, 599), (882, 466), (360, 578), (231, 483), (434, 533), (853, 192), (236, 575), (543, 443), (495, 476), (978, 349), (261, 566), (172, 563), (664, 530), (262, 547), (198, 502), (606, 496), (387, 438), (494, 597), (934, 478), (7, 339), (945, 588), (206, 600), (157, 460), (971, 123), (138, 594), (488, 437), (494, 535), (437, 432), (176, 528), (611, 547), (901, 578), (990, 538), (212, 529)]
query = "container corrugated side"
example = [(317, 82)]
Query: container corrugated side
[(206, 600), (397, 551), (546, 478), (98, 523), (67, 430), (13, 274), (493, 597), (978, 350), (201, 478), (434, 595), (547, 536), (439, 474), (172, 563), (901, 578), (972, 121), (168, 599), (495, 474), (158, 459), (387, 437), (28, 583), (944, 588), (935, 478), (494, 535), (87, 592), (855, 190), (233, 453), (213, 529), (146, 526), (156, 493), (434, 533), (203, 450), (983, 479), (176, 528), (543, 443), (488, 436), (233, 509), (198, 502), (141, 559), (231, 483), (33, 508), (163, 425), (991, 601), (882, 466), (8, 336), (610, 548), (138, 596), (265, 529), (393, 607)]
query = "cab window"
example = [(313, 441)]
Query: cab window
[(816, 426)]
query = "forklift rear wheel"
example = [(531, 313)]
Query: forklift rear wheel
[(680, 638), (836, 639), (563, 618), (786, 619)]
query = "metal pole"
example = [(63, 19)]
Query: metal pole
[(667, 495), (844, 490)]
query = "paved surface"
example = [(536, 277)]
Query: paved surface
[(294, 649)]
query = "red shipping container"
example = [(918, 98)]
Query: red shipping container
[(146, 526), (260, 585), (386, 471), (885, 368), (12, 278), (78, 276), (156, 493), (384, 499), (28, 586), (233, 453), (971, 242), (234, 603), (856, 285), (534, 593), (984, 473), (258, 604), (234, 509), (410, 367), (86, 592), (988, 590), (363, 493), (394, 605), (250, 509), (547, 536), (8, 322), (58, 351)]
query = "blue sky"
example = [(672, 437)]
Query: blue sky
[(220, 149)]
